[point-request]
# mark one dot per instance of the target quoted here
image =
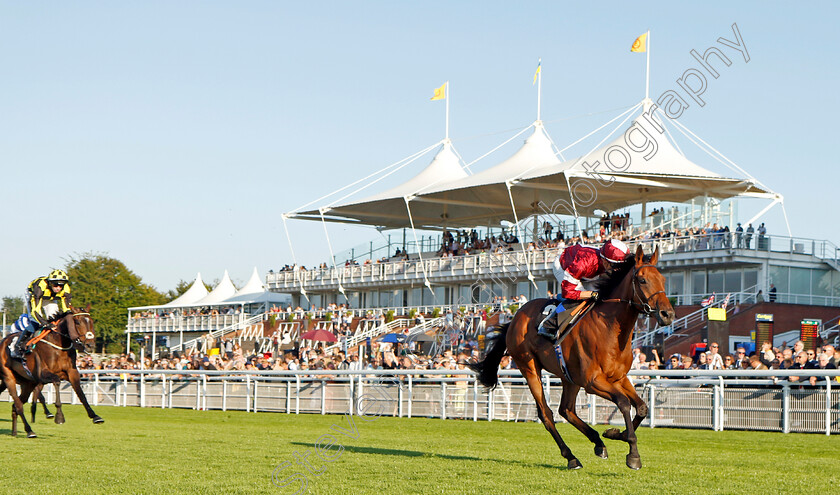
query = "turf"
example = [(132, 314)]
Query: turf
[(184, 451)]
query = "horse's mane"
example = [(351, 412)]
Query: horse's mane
[(606, 285)]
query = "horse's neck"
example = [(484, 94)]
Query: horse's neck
[(625, 314)]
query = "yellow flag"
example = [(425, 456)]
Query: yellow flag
[(440, 93), (537, 73), (640, 45)]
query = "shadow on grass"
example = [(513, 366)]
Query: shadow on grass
[(414, 453)]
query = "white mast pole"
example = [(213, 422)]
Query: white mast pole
[(647, 71), (539, 88), (447, 94)]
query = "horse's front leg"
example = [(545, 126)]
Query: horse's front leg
[(614, 392), (76, 382)]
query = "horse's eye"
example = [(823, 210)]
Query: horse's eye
[(642, 281)]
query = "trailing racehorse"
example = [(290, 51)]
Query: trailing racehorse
[(597, 352), (38, 396), (52, 360)]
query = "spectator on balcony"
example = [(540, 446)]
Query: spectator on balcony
[(771, 294), (739, 236), (756, 364), (749, 235)]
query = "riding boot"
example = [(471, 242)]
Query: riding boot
[(20, 346), (549, 326)]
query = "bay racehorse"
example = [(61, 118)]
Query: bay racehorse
[(597, 352), (52, 360)]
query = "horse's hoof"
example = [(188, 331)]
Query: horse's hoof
[(574, 464), (31, 434), (97, 420), (634, 462), (50, 416), (601, 451), (612, 434), (59, 421)]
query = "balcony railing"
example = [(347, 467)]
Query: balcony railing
[(540, 260)]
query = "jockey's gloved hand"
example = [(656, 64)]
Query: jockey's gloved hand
[(594, 296), (78, 345)]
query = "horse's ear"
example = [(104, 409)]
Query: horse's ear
[(87, 309), (655, 257), (640, 255)]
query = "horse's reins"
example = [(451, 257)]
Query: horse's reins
[(51, 328), (644, 306)]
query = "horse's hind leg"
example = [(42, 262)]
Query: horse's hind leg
[(532, 376), (641, 411), (615, 393), (567, 410)]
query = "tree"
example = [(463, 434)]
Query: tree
[(110, 288), (13, 307)]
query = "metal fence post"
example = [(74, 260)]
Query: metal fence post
[(442, 400), (410, 393), (828, 405), (715, 408), (475, 399), (197, 394), (142, 390), (592, 412), (125, 389), (722, 415), (256, 394), (323, 397), (652, 407), (247, 393), (163, 392), (786, 409), (203, 392), (96, 389), (288, 396), (297, 395), (224, 394)]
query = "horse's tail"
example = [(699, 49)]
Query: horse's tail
[(488, 368)]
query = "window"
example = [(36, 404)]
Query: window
[(778, 275), (716, 282), (698, 282), (750, 280), (732, 281)]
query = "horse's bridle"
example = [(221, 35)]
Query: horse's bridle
[(643, 306), (52, 328)]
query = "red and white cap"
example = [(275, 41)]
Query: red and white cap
[(614, 251)]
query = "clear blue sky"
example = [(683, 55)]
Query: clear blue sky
[(171, 135)]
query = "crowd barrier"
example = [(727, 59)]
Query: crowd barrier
[(717, 400)]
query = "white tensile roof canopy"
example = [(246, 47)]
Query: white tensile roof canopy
[(640, 165), (196, 292)]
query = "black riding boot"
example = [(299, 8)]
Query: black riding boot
[(549, 326), (20, 345)]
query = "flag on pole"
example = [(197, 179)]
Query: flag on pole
[(537, 73), (640, 45), (726, 301), (440, 93), (708, 301)]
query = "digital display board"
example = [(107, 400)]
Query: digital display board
[(809, 330)]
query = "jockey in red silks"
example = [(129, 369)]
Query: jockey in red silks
[(576, 268)]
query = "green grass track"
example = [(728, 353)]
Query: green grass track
[(157, 451)]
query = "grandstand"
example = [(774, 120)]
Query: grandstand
[(467, 268)]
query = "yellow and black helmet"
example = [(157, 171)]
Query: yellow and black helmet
[(57, 276)]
